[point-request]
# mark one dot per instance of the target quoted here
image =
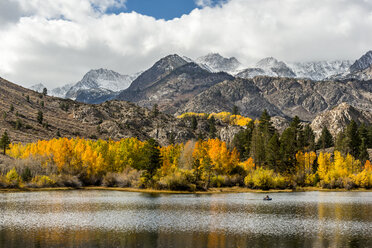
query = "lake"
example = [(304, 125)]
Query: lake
[(123, 219)]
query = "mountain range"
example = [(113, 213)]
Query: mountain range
[(101, 85), (178, 84)]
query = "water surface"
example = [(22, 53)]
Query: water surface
[(126, 219)]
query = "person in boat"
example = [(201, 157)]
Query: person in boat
[(267, 197)]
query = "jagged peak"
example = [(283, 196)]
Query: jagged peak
[(362, 63)]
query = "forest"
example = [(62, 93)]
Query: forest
[(258, 158)]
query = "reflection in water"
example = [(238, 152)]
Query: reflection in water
[(123, 219)]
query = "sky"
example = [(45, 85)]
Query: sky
[(56, 42)]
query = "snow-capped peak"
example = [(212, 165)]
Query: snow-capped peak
[(218, 63), (102, 79), (37, 87)]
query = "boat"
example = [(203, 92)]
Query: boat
[(267, 199)]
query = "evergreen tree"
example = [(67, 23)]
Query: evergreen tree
[(242, 141), (340, 143), (369, 137), (288, 150), (153, 160), (194, 123), (212, 127), (40, 117), (363, 155), (272, 152), (11, 108), (353, 139), (258, 147), (235, 110), (309, 139), (4, 142), (325, 140), (155, 110), (45, 91)]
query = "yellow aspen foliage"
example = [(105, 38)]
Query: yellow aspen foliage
[(368, 166), (324, 164), (248, 165), (226, 117)]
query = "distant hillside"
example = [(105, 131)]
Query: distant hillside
[(338, 118), (114, 119)]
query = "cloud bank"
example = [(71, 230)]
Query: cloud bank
[(57, 41)]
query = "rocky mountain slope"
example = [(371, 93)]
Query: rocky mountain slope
[(361, 69), (19, 108), (363, 63), (224, 96), (285, 97), (171, 89), (338, 118)]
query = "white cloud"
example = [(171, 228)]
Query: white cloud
[(57, 41), (203, 3)]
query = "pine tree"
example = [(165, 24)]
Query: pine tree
[(363, 155), (153, 158), (155, 110), (309, 138), (212, 127), (242, 141), (272, 154), (45, 91), (325, 140), (235, 110), (257, 147), (288, 150), (40, 117), (353, 139), (11, 108), (194, 123), (4, 142)]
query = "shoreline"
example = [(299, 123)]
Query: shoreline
[(232, 190)]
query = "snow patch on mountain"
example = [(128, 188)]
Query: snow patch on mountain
[(37, 87), (102, 79), (320, 70), (214, 62)]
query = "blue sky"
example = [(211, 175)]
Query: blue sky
[(161, 9)]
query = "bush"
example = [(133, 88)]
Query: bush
[(65, 180), (260, 179), (13, 179), (128, 178), (179, 180), (42, 181)]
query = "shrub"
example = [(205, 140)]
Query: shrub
[(13, 179), (43, 181), (65, 180), (128, 178), (260, 179), (179, 180)]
